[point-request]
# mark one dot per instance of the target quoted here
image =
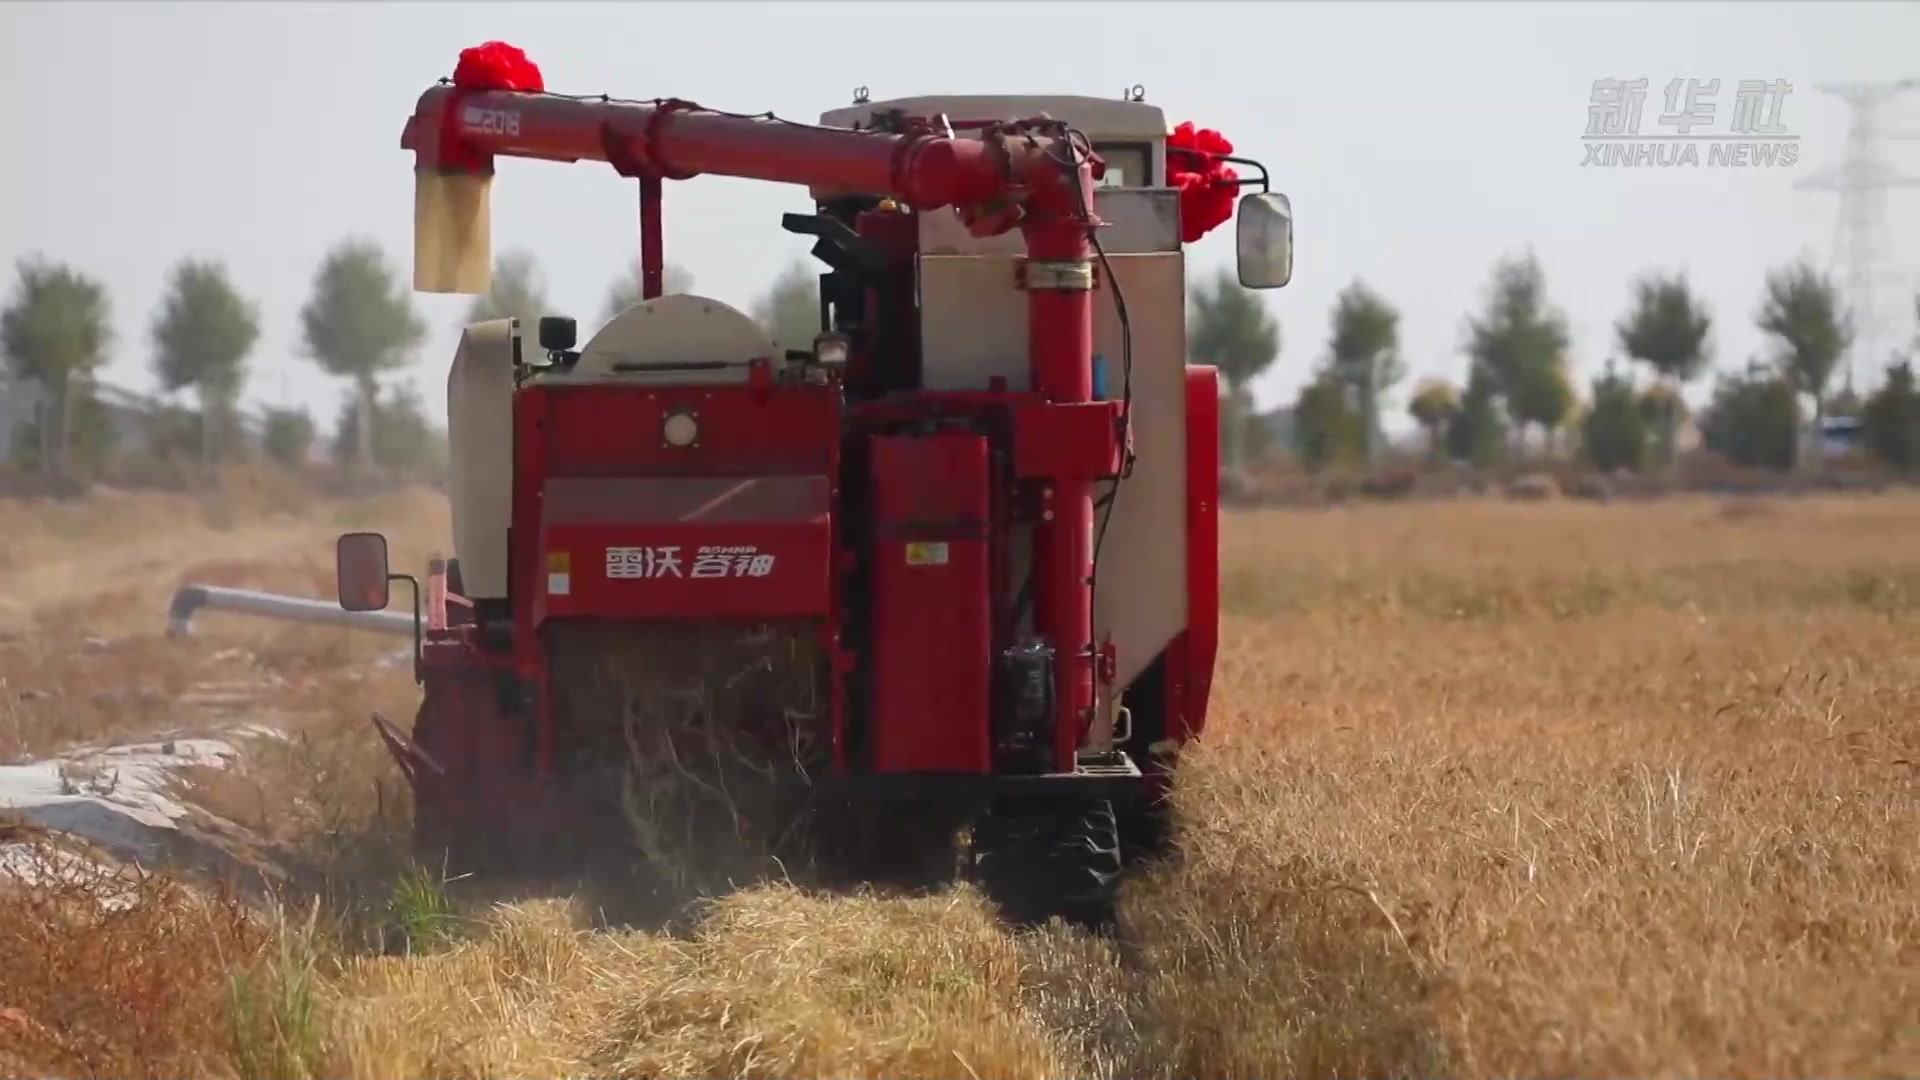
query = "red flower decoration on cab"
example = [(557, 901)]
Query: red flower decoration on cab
[(497, 65), (1207, 185)]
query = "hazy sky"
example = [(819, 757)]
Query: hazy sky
[(1418, 143)]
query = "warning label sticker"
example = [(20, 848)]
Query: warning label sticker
[(927, 553)]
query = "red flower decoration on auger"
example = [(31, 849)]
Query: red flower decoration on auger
[(497, 65), (1207, 185)]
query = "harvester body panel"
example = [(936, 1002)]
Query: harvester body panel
[(931, 562), (480, 458), (685, 548)]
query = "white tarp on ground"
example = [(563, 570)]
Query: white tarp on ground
[(121, 801), (116, 798)]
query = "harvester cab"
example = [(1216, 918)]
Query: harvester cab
[(950, 568)]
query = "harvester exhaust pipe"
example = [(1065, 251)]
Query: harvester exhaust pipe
[(190, 599)]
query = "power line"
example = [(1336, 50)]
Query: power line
[(1862, 243)]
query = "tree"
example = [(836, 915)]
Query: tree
[(201, 338), (1667, 329), (173, 431), (1435, 403), (401, 437), (1662, 411), (1239, 412), (1326, 428), (93, 437), (1802, 314), (1892, 419), (1365, 354), (1754, 419), (360, 324), (1519, 345), (1477, 435), (517, 292), (288, 436), (1229, 327), (1847, 402), (790, 308), (625, 290), (1614, 430), (56, 332), (1543, 396), (1891, 416)]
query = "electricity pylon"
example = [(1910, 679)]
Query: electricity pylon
[(1862, 245)]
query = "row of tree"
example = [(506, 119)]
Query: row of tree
[(1519, 380), (57, 332), (359, 324)]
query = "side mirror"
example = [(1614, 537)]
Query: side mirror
[(360, 571), (1265, 240)]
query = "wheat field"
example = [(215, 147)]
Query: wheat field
[(1490, 788)]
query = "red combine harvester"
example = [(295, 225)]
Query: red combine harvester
[(952, 569)]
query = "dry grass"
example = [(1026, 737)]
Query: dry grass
[(774, 983), (1502, 789), (112, 972), (1490, 788)]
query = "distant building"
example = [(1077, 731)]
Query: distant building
[(23, 400), (131, 414), (1839, 435)]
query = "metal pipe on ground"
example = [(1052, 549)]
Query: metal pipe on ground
[(191, 599)]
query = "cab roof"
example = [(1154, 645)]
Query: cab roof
[(1100, 119)]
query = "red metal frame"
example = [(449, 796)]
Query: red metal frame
[(465, 757), (458, 130), (653, 259)]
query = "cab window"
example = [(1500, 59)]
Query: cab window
[(1129, 164)]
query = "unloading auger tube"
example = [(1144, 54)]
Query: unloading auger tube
[(1032, 175), (189, 600)]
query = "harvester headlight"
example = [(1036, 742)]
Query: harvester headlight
[(680, 429)]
